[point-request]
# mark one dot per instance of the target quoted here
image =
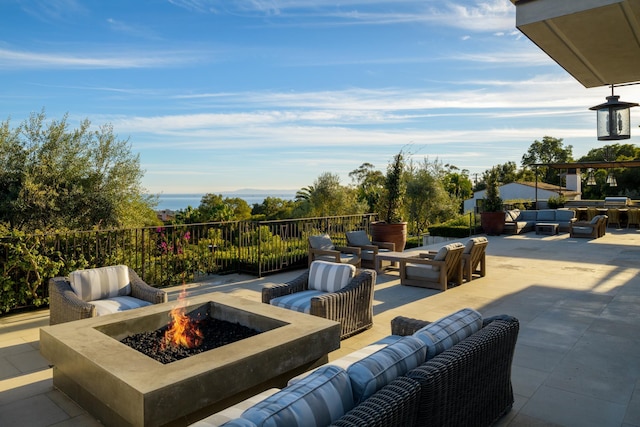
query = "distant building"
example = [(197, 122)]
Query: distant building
[(525, 191), (165, 214)]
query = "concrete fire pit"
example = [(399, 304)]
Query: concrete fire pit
[(121, 386)]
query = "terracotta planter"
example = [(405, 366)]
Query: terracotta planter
[(492, 222), (384, 232)]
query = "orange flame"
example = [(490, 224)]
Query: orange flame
[(182, 330)]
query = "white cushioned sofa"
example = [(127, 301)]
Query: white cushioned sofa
[(456, 368), (517, 221)]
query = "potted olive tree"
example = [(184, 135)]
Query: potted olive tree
[(392, 228), (492, 216)]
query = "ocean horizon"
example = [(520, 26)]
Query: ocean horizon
[(176, 202)]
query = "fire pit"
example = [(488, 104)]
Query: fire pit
[(122, 386)]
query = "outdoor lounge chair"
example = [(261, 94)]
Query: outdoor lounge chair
[(368, 249), (433, 269), (321, 248), (589, 229), (97, 292), (474, 258), (333, 291)]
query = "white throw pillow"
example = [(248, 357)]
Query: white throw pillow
[(100, 283), (329, 276)]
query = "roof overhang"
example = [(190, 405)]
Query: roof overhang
[(596, 41)]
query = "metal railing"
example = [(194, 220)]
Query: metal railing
[(172, 254)]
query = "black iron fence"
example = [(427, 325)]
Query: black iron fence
[(163, 256)]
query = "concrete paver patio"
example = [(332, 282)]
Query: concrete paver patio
[(577, 360)]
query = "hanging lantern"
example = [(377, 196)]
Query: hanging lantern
[(591, 179), (614, 119)]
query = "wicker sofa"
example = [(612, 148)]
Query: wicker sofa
[(461, 377), (517, 221)]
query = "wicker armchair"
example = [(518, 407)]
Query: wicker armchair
[(321, 248), (592, 229), (65, 305), (473, 258), (352, 305), (433, 269), (368, 249)]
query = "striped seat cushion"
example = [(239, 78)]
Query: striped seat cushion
[(231, 416), (299, 301), (329, 276), (377, 370), (316, 400), (446, 332), (116, 304), (99, 283)]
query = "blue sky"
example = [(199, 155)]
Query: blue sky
[(220, 95)]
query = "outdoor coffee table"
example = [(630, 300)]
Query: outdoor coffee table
[(391, 256), (549, 228)]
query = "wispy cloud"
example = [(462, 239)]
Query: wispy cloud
[(53, 10), (132, 30), (479, 15), (17, 59)]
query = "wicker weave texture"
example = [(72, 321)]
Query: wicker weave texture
[(467, 385)]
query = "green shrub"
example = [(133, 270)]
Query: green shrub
[(554, 202)]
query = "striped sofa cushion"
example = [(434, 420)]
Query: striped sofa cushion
[(239, 422), (231, 416), (298, 301), (377, 370), (345, 361), (329, 276), (446, 332), (99, 283), (316, 400), (116, 304)]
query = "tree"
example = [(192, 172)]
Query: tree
[(273, 208), (457, 183), (369, 183), (327, 197), (549, 150), (427, 200), (57, 178), (391, 201), (628, 179), (216, 208)]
